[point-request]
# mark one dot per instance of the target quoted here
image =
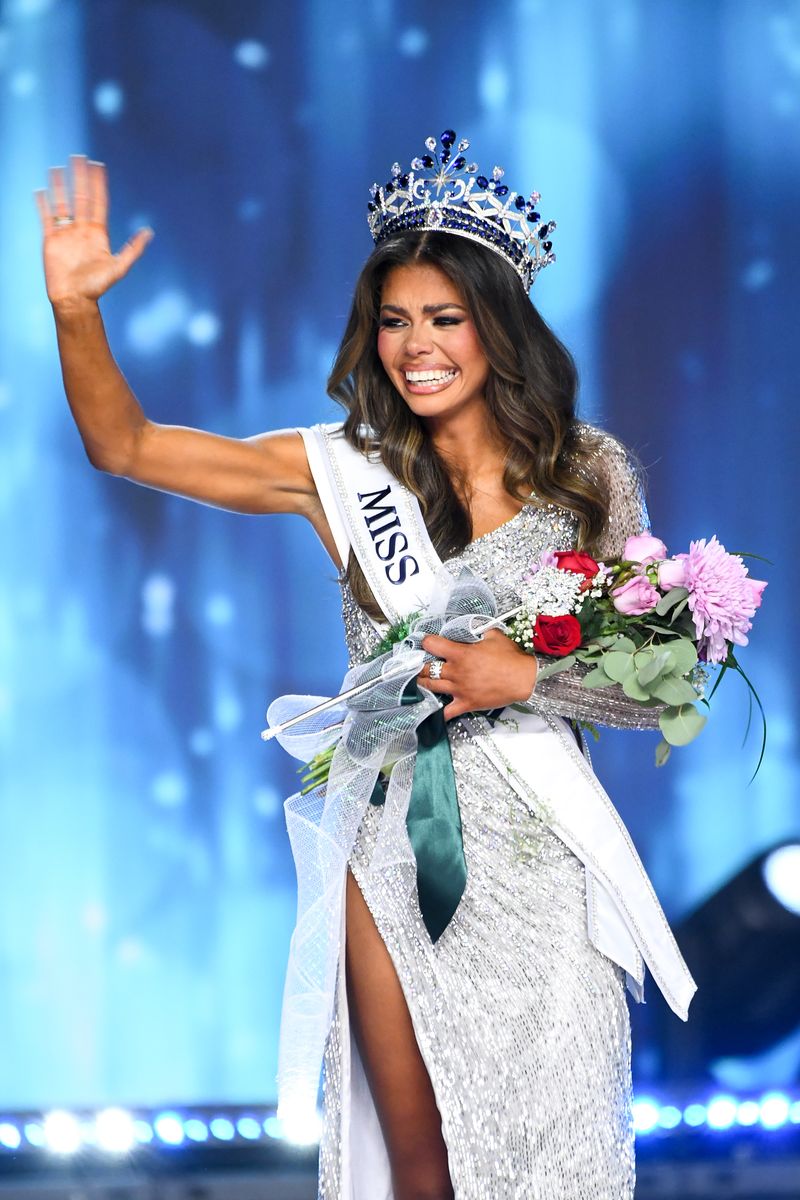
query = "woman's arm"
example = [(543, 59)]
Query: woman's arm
[(562, 694), (262, 474)]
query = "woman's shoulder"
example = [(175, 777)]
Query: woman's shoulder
[(606, 456)]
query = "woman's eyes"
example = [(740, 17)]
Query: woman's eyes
[(397, 322)]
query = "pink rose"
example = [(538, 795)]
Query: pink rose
[(635, 597), (672, 573), (644, 548)]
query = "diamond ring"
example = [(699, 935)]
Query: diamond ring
[(435, 669), (62, 220)]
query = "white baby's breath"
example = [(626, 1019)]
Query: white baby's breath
[(551, 592)]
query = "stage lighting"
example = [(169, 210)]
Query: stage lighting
[(222, 1129), (62, 1133), (169, 1129), (114, 1130), (742, 945), (782, 875)]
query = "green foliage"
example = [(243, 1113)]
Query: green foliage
[(395, 633), (681, 724)]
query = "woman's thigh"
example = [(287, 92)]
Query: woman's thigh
[(398, 1078)]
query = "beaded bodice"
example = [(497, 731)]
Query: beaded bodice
[(502, 557)]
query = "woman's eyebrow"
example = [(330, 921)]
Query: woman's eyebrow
[(427, 308)]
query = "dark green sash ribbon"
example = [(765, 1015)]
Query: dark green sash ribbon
[(434, 820)]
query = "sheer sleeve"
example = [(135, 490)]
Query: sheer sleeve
[(562, 695)]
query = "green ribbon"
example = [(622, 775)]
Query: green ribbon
[(434, 820)]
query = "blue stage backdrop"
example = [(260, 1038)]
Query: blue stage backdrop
[(146, 883)]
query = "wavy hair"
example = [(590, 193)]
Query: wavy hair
[(530, 398)]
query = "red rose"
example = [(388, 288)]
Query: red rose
[(557, 636), (580, 564)]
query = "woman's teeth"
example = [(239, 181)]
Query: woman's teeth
[(430, 376)]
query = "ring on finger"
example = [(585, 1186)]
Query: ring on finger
[(62, 220), (435, 668)]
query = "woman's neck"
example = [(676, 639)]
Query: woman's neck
[(471, 448)]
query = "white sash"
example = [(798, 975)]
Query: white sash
[(368, 509)]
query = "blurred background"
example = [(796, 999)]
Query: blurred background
[(147, 893)]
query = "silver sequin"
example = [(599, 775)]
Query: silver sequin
[(522, 1023)]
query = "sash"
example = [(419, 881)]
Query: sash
[(369, 510)]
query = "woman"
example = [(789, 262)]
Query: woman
[(493, 1059)]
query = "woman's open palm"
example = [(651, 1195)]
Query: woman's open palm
[(78, 262)]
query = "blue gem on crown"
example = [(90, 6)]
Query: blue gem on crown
[(443, 191)]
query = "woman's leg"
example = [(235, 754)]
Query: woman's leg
[(398, 1078)]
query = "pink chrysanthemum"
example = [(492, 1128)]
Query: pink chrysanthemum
[(722, 597)]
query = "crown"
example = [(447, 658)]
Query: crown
[(443, 191)]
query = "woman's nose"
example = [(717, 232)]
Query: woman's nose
[(418, 340)]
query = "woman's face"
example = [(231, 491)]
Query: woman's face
[(428, 343)]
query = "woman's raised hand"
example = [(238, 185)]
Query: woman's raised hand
[(78, 263)]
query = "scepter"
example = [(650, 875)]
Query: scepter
[(360, 688)]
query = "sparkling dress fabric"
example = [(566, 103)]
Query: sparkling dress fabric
[(522, 1023)]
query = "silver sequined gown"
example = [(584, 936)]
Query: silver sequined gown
[(522, 1023)]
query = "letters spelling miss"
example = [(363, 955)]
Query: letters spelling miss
[(381, 519)]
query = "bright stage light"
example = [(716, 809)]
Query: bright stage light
[(114, 1130), (645, 1115), (297, 1124), (722, 1112), (742, 945), (169, 1128), (143, 1132), (781, 870), (774, 1110), (747, 1113), (62, 1133), (694, 1115), (669, 1117), (10, 1136), (196, 1130), (222, 1129), (249, 1127)]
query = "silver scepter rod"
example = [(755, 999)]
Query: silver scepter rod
[(351, 693)]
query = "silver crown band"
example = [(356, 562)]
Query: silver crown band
[(453, 198), (435, 669)]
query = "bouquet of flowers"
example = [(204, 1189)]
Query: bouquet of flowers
[(652, 624)]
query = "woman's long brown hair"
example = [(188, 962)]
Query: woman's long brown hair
[(530, 395)]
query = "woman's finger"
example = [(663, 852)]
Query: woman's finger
[(80, 187), (43, 205), (442, 687), (440, 646), (58, 187), (134, 248), (98, 192)]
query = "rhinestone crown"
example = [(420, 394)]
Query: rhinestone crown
[(443, 191)]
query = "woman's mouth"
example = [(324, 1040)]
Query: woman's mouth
[(428, 381)]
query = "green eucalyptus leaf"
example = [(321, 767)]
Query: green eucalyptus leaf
[(684, 655), (680, 724), (660, 664), (556, 666), (634, 690), (618, 665), (673, 597), (673, 690), (596, 679), (663, 751)]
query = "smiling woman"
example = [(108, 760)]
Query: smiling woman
[(427, 302), (482, 1049), (430, 347)]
